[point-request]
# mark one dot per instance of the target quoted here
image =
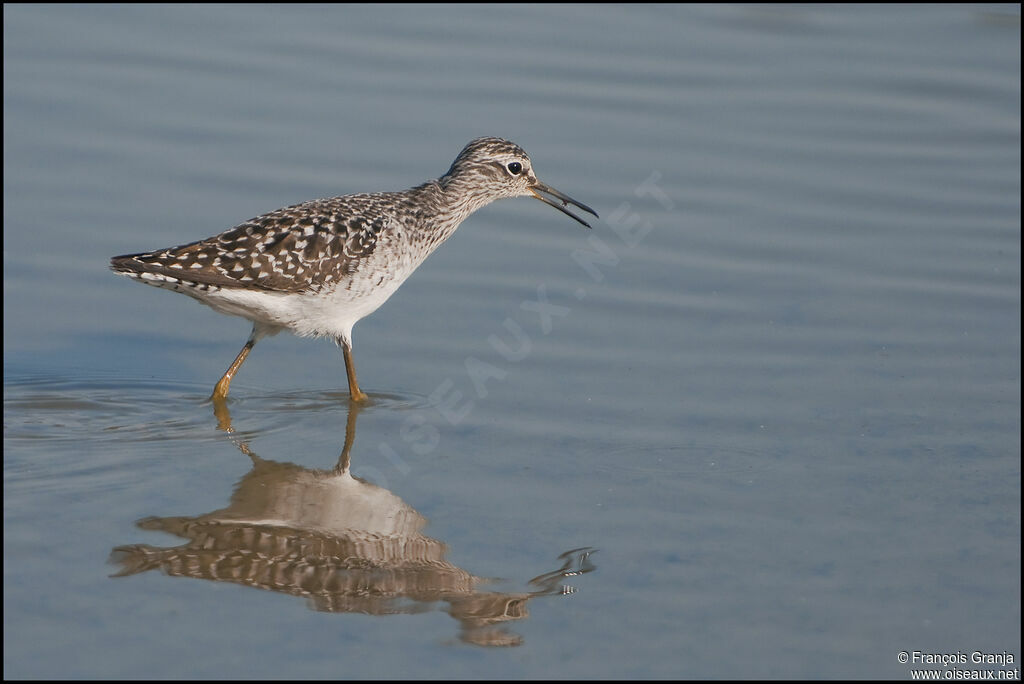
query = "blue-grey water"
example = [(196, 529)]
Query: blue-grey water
[(763, 421)]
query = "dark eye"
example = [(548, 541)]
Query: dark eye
[(515, 168)]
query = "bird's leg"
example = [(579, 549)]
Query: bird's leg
[(220, 392), (350, 369)]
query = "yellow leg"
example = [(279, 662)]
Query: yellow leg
[(350, 369), (220, 392)]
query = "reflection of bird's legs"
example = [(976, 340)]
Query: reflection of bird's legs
[(350, 436), (222, 414)]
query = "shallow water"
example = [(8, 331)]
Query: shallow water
[(762, 421)]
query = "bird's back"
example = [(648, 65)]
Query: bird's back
[(301, 248)]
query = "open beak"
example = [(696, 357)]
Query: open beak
[(539, 187)]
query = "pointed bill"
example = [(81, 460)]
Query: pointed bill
[(539, 187)]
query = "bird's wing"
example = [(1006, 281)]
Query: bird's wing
[(299, 248)]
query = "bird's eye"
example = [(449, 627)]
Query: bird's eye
[(515, 168)]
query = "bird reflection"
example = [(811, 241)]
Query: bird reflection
[(346, 545)]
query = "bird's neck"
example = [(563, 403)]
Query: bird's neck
[(463, 194), (441, 205)]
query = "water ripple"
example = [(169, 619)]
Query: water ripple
[(108, 408)]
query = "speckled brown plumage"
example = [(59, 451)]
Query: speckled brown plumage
[(316, 268)]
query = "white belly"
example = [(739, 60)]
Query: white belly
[(327, 313)]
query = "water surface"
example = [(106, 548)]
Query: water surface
[(762, 421)]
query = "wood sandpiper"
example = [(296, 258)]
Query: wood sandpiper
[(318, 267)]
